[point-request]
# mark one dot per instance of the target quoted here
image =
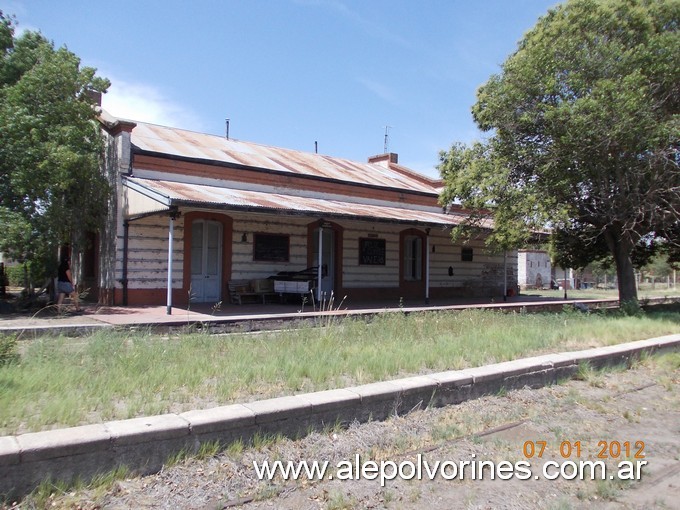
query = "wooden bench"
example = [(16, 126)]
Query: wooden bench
[(239, 289)]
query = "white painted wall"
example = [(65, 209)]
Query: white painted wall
[(531, 264), (148, 248)]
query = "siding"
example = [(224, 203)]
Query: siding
[(243, 265), (148, 254), (148, 245)]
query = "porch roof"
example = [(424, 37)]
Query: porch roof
[(147, 196)]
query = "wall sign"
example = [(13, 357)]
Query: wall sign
[(372, 252)]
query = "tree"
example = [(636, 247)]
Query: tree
[(51, 189), (584, 135)]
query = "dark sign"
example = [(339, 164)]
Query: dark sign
[(372, 252), (271, 247)]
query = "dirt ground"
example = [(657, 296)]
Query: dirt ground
[(640, 404)]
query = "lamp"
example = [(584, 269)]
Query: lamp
[(244, 238)]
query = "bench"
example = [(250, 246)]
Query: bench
[(239, 289)]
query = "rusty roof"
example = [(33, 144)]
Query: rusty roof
[(198, 195), (174, 142)]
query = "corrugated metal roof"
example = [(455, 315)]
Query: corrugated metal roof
[(189, 144), (197, 195)]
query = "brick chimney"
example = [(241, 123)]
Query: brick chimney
[(95, 96), (384, 159)]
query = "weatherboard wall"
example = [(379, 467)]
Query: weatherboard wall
[(449, 275)]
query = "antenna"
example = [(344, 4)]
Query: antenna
[(316, 147), (387, 135), (226, 122)]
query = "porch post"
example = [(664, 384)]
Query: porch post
[(320, 262), (505, 275), (427, 266), (171, 229)]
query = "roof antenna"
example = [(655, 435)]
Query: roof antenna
[(226, 122), (316, 147), (387, 135)]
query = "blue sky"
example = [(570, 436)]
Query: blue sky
[(291, 72)]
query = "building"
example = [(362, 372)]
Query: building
[(533, 269), (222, 209)]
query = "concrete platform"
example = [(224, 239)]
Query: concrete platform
[(250, 317)]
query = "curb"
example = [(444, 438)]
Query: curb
[(144, 444)]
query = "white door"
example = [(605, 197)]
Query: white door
[(327, 258), (206, 257)]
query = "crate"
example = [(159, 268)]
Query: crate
[(262, 285), (291, 287)]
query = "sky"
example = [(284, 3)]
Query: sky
[(289, 73)]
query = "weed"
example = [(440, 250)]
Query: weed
[(415, 495), (337, 500), (587, 373), (266, 492), (235, 449), (208, 450), (262, 441), (388, 496), (609, 489), (177, 458), (8, 350), (560, 504), (446, 432)]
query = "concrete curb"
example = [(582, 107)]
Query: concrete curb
[(144, 444)]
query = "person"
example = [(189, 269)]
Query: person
[(65, 285)]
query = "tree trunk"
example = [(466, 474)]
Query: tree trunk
[(621, 247)]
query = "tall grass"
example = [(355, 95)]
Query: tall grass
[(64, 382)]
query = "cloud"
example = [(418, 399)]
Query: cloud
[(147, 103), (383, 92), (371, 28)]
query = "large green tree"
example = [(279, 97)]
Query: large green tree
[(51, 189), (584, 135)]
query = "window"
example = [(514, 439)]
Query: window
[(413, 258), (372, 252), (271, 247), (466, 254)]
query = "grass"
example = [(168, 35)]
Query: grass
[(65, 381)]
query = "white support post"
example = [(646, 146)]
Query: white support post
[(505, 275), (171, 233)]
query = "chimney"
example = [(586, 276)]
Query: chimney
[(95, 96), (384, 159)]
